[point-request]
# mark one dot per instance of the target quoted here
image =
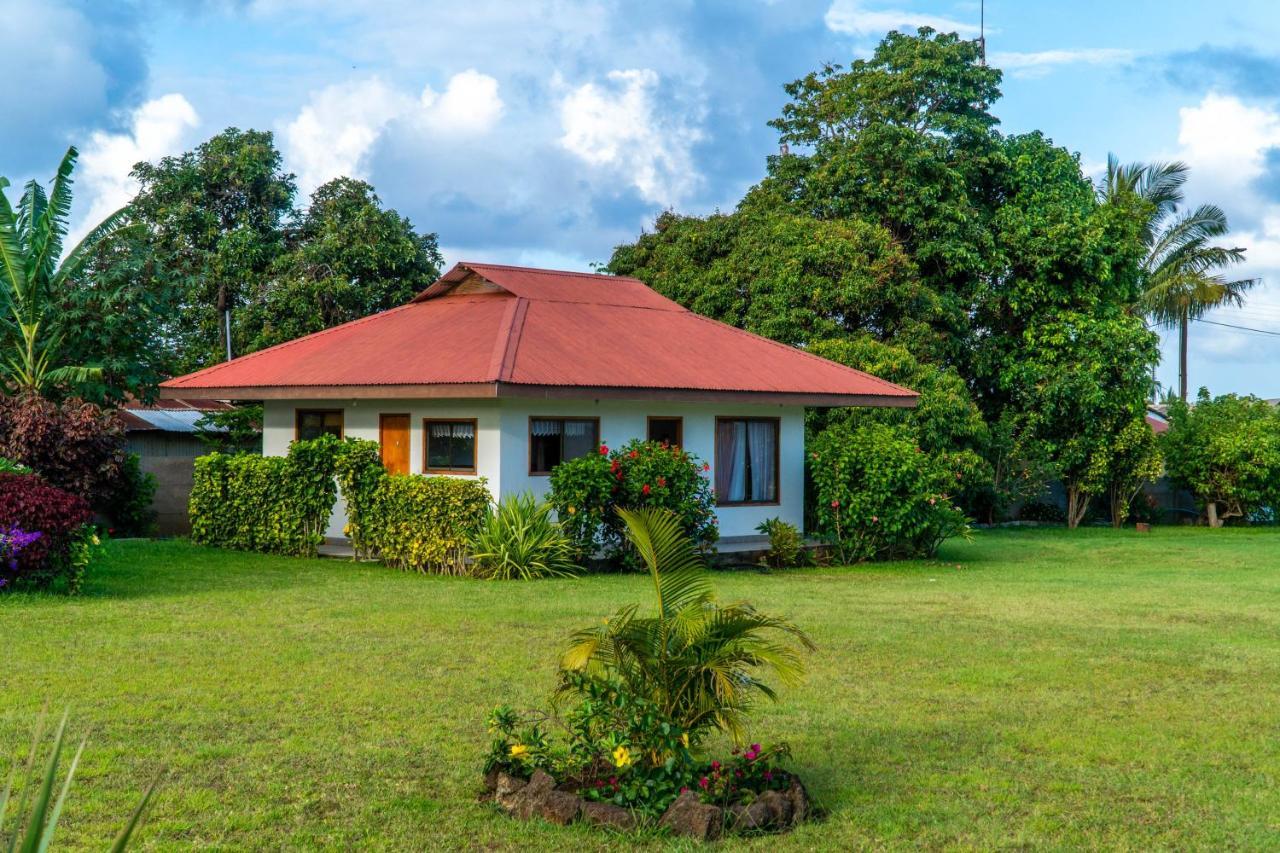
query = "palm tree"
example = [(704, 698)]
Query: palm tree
[(31, 276), (1182, 278), (697, 660)]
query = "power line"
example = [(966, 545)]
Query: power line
[(1269, 332)]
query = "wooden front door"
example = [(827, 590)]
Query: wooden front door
[(393, 435)]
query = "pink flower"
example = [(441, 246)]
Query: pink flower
[(835, 504), (932, 501), (704, 782), (715, 765), (768, 775), (755, 747), (875, 519), (684, 789)]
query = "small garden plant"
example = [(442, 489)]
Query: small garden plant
[(638, 697)]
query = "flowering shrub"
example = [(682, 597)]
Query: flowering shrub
[(56, 558), (880, 496), (749, 773), (587, 491), (73, 445)]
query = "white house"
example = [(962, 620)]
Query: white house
[(502, 372)]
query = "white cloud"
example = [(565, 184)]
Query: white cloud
[(158, 128), (619, 129), (1041, 62), (334, 133), (850, 17), (470, 103), (1225, 140)]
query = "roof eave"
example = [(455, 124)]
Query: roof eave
[(512, 390)]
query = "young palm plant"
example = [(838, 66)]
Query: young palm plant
[(702, 663), (35, 833), (33, 272)]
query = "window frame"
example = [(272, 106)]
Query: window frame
[(679, 419), (563, 419), (297, 421), (777, 458), (426, 446)]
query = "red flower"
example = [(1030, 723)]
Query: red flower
[(715, 765), (614, 466), (704, 782), (599, 783), (684, 789), (835, 504), (613, 780), (604, 451), (706, 466), (634, 455), (645, 490), (662, 482)]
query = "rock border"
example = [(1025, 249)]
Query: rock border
[(688, 816)]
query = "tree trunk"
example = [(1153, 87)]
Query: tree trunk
[(1077, 504), (1119, 508), (1211, 509), (1182, 356)]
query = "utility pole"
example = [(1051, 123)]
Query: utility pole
[(982, 31)]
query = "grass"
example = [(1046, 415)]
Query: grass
[(1033, 688)]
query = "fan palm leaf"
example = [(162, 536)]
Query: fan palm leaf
[(700, 662)]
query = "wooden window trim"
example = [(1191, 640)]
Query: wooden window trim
[(297, 420), (679, 419), (777, 459), (529, 438), (426, 450)]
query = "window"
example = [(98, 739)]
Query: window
[(746, 461), (313, 423), (451, 446), (667, 431), (554, 440)]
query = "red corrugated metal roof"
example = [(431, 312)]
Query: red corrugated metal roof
[(541, 328)]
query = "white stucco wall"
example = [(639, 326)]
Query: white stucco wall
[(502, 448)]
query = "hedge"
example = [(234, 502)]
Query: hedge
[(274, 504), (56, 560), (282, 505), (424, 523)]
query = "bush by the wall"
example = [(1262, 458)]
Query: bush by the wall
[(360, 474), (128, 505), (55, 560), (274, 504), (786, 545), (519, 540), (75, 446), (423, 523), (880, 496), (587, 491)]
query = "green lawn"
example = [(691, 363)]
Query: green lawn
[(1033, 689)]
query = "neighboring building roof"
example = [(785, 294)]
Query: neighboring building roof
[(177, 415), (1156, 420), (484, 330)]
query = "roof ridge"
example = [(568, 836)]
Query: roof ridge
[(213, 368), (545, 271), (511, 341), (807, 354)]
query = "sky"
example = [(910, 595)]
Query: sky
[(545, 132)]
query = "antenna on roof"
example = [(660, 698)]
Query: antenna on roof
[(982, 31)]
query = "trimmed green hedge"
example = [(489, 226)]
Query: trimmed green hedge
[(424, 523), (281, 505), (274, 504)]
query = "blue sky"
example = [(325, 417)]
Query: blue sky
[(547, 131)]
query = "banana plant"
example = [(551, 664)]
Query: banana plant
[(34, 833), (33, 271)]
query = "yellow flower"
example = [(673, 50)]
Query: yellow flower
[(621, 756), (572, 510), (519, 751), (684, 739)]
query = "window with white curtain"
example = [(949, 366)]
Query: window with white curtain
[(451, 446), (746, 461), (555, 440)]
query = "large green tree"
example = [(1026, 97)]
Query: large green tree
[(215, 220), (897, 214), (345, 258)]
